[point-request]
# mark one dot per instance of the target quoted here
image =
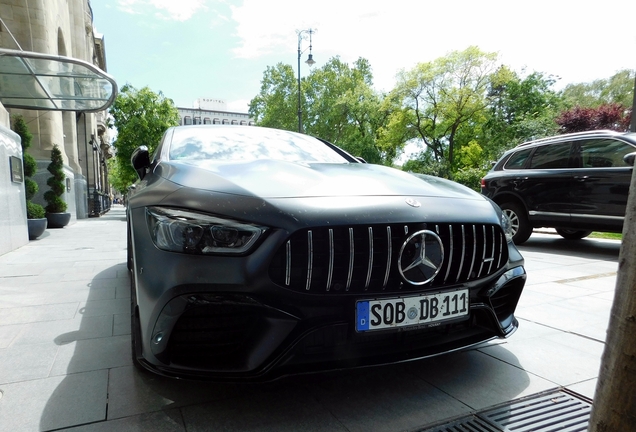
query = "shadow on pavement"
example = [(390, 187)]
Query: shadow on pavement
[(585, 248)]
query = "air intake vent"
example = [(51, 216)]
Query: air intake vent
[(355, 259)]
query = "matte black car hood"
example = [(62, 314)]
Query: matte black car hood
[(278, 179)]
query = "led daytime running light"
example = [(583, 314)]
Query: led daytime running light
[(184, 231)]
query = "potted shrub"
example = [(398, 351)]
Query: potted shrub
[(56, 207), (36, 222)]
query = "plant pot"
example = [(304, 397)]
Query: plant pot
[(36, 227), (58, 220)]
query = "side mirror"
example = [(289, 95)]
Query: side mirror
[(140, 160), (629, 158)]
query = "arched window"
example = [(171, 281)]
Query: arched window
[(216, 121), (197, 120), (207, 120), (243, 123), (234, 122), (187, 120), (226, 121)]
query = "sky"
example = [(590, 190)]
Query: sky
[(219, 49)]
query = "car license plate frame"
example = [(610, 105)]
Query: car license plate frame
[(427, 309)]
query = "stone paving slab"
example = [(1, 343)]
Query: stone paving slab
[(65, 350)]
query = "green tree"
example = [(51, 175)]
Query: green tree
[(520, 109), (441, 100), (338, 103), (276, 105), (343, 108), (617, 89), (141, 117)]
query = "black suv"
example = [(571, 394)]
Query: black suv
[(576, 183)]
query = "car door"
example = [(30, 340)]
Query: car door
[(601, 187), (546, 186)]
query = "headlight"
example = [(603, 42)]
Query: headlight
[(196, 233)]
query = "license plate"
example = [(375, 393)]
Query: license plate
[(411, 311)]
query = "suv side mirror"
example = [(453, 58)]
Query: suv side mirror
[(140, 160), (629, 158)]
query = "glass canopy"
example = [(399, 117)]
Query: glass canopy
[(36, 81)]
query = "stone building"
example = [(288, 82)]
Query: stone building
[(60, 28), (212, 111)]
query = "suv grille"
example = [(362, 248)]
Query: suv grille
[(339, 260)]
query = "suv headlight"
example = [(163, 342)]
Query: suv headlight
[(190, 232)]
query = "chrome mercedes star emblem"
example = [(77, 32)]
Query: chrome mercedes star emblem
[(421, 257)]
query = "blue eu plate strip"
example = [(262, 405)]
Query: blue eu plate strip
[(362, 315)]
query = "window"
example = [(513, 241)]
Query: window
[(551, 156), (207, 120), (216, 121), (518, 160), (187, 120), (234, 122), (243, 123), (226, 121), (197, 120), (603, 153)]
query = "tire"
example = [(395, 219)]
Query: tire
[(571, 234), (521, 228)]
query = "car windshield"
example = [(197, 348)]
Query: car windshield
[(236, 143)]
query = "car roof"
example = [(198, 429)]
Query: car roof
[(565, 137)]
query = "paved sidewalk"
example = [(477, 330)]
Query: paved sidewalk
[(65, 350)]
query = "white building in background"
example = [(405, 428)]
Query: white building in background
[(212, 111)]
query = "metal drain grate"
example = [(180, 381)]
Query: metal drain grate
[(553, 411)]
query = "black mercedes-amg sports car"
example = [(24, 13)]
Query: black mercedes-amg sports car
[(257, 253)]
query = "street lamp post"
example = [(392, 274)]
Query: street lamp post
[(310, 61)]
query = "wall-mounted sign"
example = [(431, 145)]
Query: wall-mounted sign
[(16, 169)]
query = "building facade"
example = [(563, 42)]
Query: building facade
[(62, 28), (212, 111)]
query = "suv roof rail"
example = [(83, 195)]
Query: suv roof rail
[(605, 132)]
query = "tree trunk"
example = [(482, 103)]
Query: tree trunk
[(614, 406)]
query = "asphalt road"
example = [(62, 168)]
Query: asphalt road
[(65, 350)]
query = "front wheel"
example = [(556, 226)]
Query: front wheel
[(521, 228), (571, 234)]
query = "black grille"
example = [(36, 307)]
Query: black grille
[(334, 260)]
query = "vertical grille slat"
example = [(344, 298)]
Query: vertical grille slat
[(483, 252), (493, 243), (333, 260), (461, 260), (310, 258), (450, 254), (288, 260), (388, 256), (472, 260), (370, 265), (351, 257)]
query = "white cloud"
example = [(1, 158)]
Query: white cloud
[(180, 10), (563, 38)]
